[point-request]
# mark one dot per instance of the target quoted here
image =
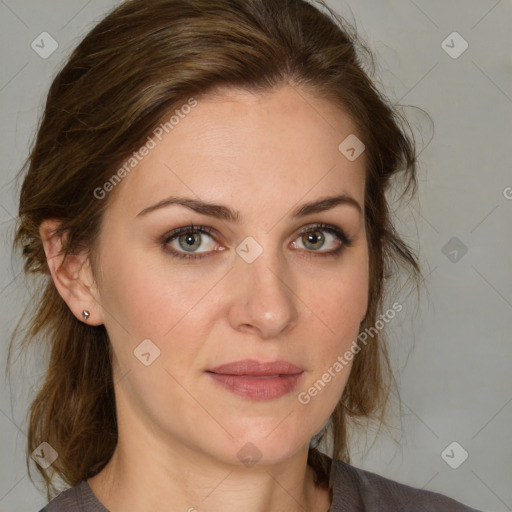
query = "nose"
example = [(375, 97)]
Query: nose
[(263, 301)]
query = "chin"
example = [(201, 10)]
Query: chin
[(253, 447)]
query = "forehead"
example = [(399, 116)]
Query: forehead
[(251, 149)]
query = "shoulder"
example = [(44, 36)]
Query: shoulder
[(357, 490), (77, 499), (379, 494)]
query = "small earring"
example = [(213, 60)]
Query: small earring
[(85, 314)]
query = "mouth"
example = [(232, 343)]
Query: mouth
[(257, 380), (253, 368)]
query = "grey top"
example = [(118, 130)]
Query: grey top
[(354, 490)]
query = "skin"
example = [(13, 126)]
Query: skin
[(179, 431)]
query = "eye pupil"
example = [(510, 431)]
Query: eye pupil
[(314, 238), (189, 240)]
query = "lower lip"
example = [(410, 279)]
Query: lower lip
[(258, 388)]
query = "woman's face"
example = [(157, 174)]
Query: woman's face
[(260, 289)]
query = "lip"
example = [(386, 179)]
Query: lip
[(257, 380), (254, 368)]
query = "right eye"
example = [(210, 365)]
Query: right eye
[(183, 242)]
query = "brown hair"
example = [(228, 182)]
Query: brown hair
[(139, 63)]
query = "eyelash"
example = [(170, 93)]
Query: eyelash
[(337, 232)]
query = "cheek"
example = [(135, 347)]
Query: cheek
[(337, 307), (340, 307), (145, 297), (341, 299)]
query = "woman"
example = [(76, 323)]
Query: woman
[(206, 199)]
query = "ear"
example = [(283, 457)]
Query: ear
[(73, 276)]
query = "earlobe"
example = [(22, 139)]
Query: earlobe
[(72, 276)]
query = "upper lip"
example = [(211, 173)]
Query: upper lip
[(255, 368)]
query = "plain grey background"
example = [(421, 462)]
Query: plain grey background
[(452, 352)]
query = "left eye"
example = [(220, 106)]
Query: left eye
[(314, 238)]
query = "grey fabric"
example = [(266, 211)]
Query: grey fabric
[(357, 490), (354, 490), (78, 499)]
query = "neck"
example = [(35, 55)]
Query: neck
[(183, 480)]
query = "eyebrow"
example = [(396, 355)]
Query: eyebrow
[(226, 213)]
